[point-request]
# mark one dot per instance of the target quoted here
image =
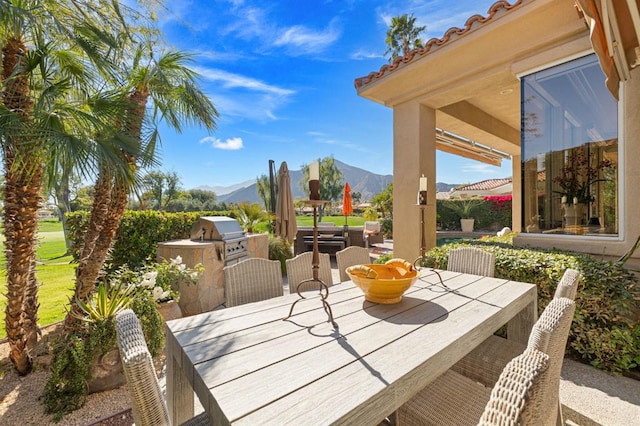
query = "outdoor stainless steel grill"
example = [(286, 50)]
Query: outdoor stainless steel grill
[(225, 229)]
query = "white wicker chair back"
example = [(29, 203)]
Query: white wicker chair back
[(299, 269), (351, 256), (252, 280), (471, 260)]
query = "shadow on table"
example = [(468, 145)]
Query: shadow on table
[(422, 313)]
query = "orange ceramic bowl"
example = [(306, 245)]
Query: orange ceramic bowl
[(388, 285)]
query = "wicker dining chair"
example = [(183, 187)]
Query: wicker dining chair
[(470, 260), (147, 404), (517, 397), (252, 280), (486, 361), (300, 268), (568, 285), (351, 256), (456, 399)]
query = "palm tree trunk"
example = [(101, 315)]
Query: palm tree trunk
[(23, 176), (110, 201), (88, 270)]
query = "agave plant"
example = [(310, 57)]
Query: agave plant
[(466, 207), (107, 301)]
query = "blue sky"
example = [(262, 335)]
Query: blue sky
[(281, 74)]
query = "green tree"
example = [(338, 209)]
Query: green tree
[(384, 201), (51, 55), (63, 188), (403, 36), (331, 182), (263, 188), (82, 199), (162, 188), (356, 196), (206, 199), (166, 79)]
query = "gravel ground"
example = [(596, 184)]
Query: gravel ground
[(19, 404)]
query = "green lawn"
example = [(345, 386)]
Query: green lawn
[(55, 273), (337, 220)]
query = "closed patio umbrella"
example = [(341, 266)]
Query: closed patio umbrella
[(286, 227), (347, 207)]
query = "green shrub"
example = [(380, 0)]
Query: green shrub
[(386, 227), (138, 235), (66, 390), (603, 332), (383, 258), (370, 214), (280, 249)]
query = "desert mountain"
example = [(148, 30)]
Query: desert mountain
[(222, 190), (368, 184)]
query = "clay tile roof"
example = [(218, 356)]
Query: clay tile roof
[(485, 185), (449, 36)]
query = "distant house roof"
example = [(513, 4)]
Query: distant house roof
[(485, 187), (452, 34)]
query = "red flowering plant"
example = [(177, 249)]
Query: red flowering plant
[(577, 176), (499, 202)]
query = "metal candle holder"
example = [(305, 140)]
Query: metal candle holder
[(422, 203), (315, 265)]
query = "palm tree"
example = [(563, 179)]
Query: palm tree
[(403, 36), (42, 85), (171, 85), (263, 188)]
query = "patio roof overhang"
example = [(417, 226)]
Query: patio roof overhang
[(470, 76), (614, 31)]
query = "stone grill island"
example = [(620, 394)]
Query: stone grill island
[(215, 242)]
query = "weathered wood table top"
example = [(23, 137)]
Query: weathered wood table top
[(248, 366)]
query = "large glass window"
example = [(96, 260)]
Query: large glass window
[(569, 151)]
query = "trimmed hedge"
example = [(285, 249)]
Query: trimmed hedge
[(604, 332), (139, 234)]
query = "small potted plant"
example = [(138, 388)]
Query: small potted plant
[(465, 209), (161, 282)]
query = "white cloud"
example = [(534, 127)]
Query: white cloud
[(326, 139), (255, 24), (236, 95), (362, 54), (212, 55), (482, 168), (304, 40), (230, 80), (247, 106), (230, 144)]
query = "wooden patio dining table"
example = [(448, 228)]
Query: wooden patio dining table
[(248, 366)]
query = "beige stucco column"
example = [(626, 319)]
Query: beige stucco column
[(629, 168), (516, 193), (414, 154)]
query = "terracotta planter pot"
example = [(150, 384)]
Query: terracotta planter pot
[(106, 372), (169, 310)]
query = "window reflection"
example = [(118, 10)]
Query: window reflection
[(569, 151)]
